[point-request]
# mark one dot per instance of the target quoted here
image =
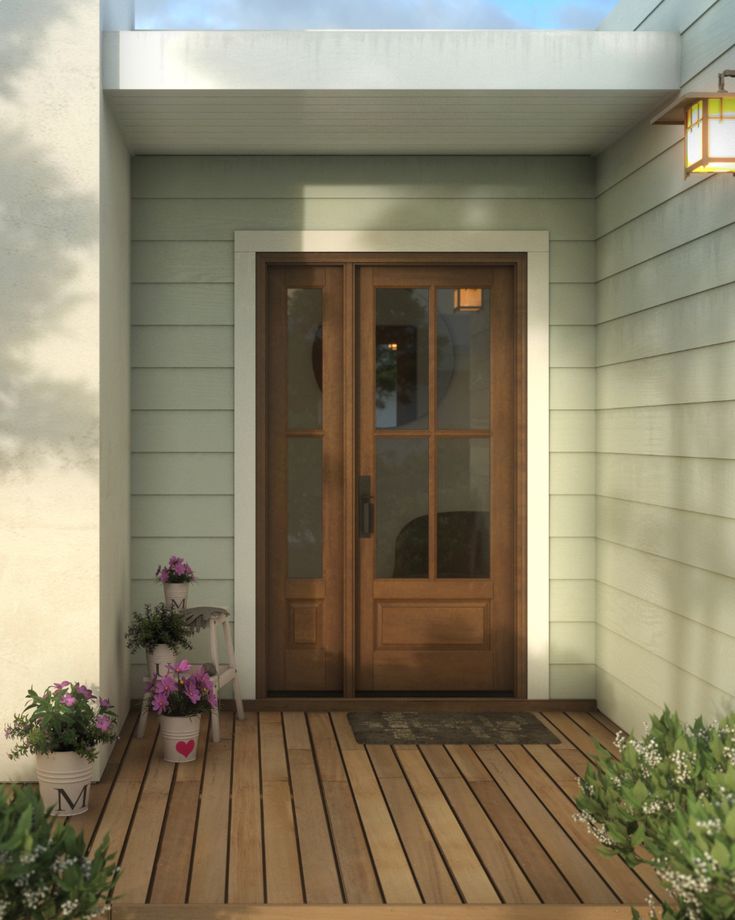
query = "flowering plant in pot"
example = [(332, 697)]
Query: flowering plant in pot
[(63, 726), (44, 870), (669, 801), (162, 632), (175, 575), (180, 697)]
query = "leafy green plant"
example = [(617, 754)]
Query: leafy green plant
[(65, 717), (44, 872), (670, 802), (158, 625)]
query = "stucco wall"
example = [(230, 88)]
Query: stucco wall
[(185, 211), (666, 401)]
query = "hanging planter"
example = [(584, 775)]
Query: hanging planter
[(175, 576), (180, 736), (180, 696), (64, 781)]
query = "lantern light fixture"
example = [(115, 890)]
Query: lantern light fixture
[(709, 128)]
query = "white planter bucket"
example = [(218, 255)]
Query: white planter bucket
[(64, 781), (159, 658), (175, 594), (180, 738)]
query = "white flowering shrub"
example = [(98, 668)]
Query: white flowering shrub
[(44, 872), (670, 802)]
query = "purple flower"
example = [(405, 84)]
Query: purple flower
[(60, 687), (68, 700), (182, 667), (104, 703), (103, 722), (160, 702), (192, 690), (179, 568), (8, 731), (164, 575), (83, 691)]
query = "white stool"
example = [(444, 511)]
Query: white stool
[(221, 674)]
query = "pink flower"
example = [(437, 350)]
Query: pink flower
[(180, 568), (192, 690), (182, 667), (160, 702), (68, 700), (104, 703), (164, 575), (60, 687), (103, 722), (83, 691)]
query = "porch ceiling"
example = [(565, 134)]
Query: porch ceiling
[(473, 92)]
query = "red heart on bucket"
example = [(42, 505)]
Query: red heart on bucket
[(185, 747)]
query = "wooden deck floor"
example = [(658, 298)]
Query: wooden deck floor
[(288, 809)]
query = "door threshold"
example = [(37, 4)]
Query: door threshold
[(436, 704)]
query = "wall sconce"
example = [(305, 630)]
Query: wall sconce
[(709, 128), (467, 300)]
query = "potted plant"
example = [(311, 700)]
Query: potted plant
[(670, 802), (44, 871), (63, 726), (180, 697), (162, 632), (175, 576)]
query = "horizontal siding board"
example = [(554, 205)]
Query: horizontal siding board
[(182, 304), (182, 388), (182, 432), (707, 38), (694, 539), (702, 209), (572, 682), (572, 516), (572, 261), (572, 600), (182, 474), (572, 346), (198, 262), (702, 319), (685, 483), (362, 177), (572, 643), (219, 218), (181, 346), (704, 596), (636, 148), (625, 706), (181, 516), (703, 263), (572, 474), (698, 376), (571, 431), (572, 304), (205, 592), (572, 388), (210, 557), (688, 645), (572, 557), (659, 680)]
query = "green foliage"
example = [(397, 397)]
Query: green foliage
[(158, 625), (65, 717), (670, 801), (44, 873)]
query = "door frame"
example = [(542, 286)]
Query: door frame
[(528, 251)]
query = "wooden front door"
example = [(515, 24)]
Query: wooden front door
[(391, 479)]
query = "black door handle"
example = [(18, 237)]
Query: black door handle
[(365, 504)]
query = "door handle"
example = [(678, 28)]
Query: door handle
[(365, 504)]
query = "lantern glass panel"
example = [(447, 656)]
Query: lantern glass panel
[(694, 134)]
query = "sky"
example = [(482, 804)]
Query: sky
[(373, 14)]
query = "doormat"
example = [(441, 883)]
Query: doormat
[(449, 728)]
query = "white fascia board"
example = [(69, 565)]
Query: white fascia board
[(525, 60)]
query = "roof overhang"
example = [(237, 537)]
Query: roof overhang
[(509, 91)]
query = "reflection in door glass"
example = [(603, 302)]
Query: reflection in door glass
[(402, 358), (463, 357), (304, 507), (402, 508), (463, 504), (304, 370)]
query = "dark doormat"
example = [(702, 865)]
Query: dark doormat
[(449, 728)]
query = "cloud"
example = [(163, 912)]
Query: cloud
[(322, 14)]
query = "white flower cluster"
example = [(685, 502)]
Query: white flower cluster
[(594, 827), (683, 763), (688, 888)]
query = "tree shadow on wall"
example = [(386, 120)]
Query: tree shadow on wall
[(47, 229)]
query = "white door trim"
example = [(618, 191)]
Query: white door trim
[(533, 242)]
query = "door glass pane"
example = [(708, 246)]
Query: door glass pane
[(304, 358), (402, 508), (463, 357), (304, 507), (402, 358), (463, 505)]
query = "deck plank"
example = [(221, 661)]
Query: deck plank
[(321, 880), (209, 860), (245, 875), (429, 868), (468, 873), (505, 873), (282, 865)]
